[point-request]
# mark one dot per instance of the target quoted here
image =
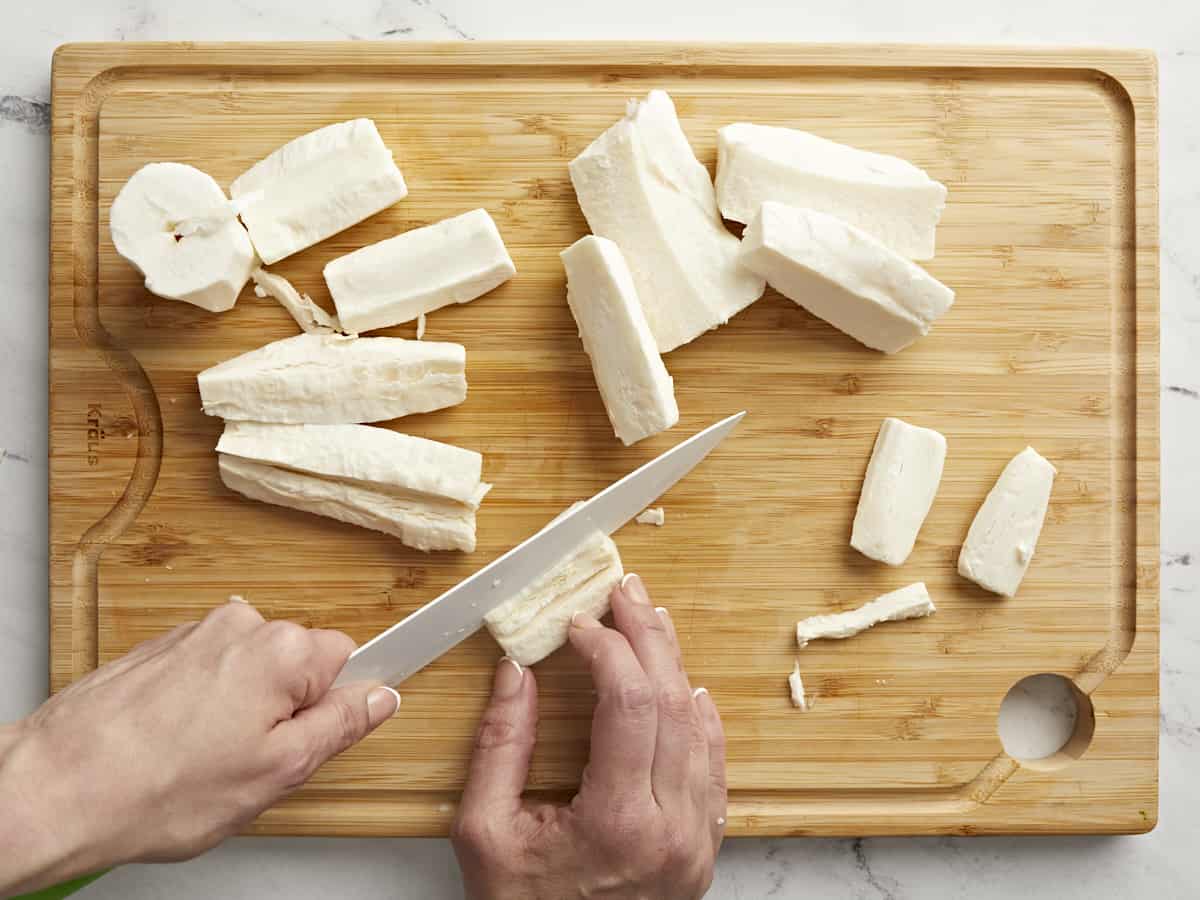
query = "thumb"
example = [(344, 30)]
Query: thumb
[(340, 719), (503, 746)]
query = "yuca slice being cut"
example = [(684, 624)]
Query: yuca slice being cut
[(533, 624)]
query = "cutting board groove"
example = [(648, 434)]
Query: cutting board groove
[(1049, 239)]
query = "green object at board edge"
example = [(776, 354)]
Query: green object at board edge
[(61, 890)]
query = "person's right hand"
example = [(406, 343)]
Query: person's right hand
[(161, 754), (649, 816)]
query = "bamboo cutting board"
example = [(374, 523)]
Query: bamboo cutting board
[(1049, 240)]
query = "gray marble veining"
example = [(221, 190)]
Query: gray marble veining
[(1163, 864)]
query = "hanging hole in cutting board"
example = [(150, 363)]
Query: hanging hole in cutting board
[(1046, 722)]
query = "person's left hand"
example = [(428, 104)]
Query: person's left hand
[(165, 752), (649, 817)]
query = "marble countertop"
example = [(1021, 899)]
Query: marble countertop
[(1163, 864)]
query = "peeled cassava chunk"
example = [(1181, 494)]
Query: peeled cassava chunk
[(421, 491), (170, 221), (325, 379)]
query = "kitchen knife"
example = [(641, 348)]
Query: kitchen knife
[(410, 645)]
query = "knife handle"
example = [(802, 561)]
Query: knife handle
[(65, 889)]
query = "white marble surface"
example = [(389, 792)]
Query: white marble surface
[(1163, 864)]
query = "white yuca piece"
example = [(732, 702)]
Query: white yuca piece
[(328, 379), (210, 264), (317, 185), (640, 185), (653, 516), (796, 687), (534, 624), (902, 480), (310, 317), (1004, 533), (406, 276), (885, 196), (843, 275), (421, 491), (910, 602), (638, 393)]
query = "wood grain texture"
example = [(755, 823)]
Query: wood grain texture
[(1049, 239)]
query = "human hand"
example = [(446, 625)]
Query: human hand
[(162, 754), (649, 816)]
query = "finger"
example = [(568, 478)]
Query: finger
[(681, 749), (625, 722), (139, 655), (301, 662), (503, 748), (717, 795), (330, 650), (340, 719), (232, 619)]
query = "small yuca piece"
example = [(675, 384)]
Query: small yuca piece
[(796, 686), (534, 624), (170, 221), (310, 317), (843, 275), (317, 185), (902, 480), (885, 196), (406, 276), (421, 491), (910, 602), (640, 185), (332, 379), (637, 391), (655, 515), (1005, 531)]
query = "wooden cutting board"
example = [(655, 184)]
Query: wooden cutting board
[(1049, 240)]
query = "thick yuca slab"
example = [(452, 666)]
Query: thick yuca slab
[(210, 264), (910, 602), (535, 623), (317, 185), (843, 275), (1004, 533), (420, 522), (638, 393), (885, 196), (398, 279), (333, 379), (902, 480), (640, 185), (378, 458)]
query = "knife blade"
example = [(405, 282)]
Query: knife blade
[(443, 623)]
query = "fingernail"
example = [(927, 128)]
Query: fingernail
[(698, 691), (509, 676), (662, 611), (382, 703), (236, 598), (583, 620), (632, 585)]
